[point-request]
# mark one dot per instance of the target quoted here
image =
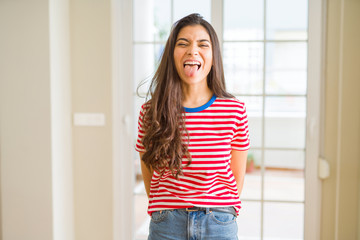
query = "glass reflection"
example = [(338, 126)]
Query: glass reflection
[(284, 175), (286, 20), (186, 7), (249, 220), (244, 20), (285, 122), (243, 65), (284, 221), (152, 20), (286, 68)]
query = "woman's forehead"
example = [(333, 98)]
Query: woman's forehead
[(193, 32)]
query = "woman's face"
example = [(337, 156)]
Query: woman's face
[(193, 54)]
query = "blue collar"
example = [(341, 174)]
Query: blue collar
[(199, 109)]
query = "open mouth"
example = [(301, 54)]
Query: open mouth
[(192, 64)]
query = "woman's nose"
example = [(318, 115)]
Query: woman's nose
[(193, 50)]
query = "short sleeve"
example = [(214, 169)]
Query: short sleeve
[(241, 140), (139, 145)]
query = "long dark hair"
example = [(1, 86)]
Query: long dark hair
[(164, 121)]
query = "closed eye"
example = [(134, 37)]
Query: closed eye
[(182, 42)]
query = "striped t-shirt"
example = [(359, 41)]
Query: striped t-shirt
[(214, 130)]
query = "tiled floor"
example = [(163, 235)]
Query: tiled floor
[(281, 221)]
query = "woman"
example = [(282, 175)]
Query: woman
[(193, 140)]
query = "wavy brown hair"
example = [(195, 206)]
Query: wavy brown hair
[(164, 121)]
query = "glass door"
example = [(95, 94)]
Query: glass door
[(265, 60), (265, 55)]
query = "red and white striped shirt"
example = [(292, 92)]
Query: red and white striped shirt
[(214, 129)]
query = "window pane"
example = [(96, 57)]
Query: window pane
[(285, 123), (142, 219), (243, 20), (243, 66), (252, 183), (284, 175), (146, 59), (162, 21), (283, 221), (285, 106), (286, 68), (254, 106), (286, 19), (285, 159), (152, 20), (249, 220), (186, 7)]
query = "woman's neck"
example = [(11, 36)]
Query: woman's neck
[(196, 96)]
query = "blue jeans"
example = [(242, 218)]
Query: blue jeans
[(178, 224)]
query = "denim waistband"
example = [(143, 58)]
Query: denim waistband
[(214, 209)]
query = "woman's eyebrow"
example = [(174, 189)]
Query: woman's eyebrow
[(182, 39), (186, 40), (204, 40)]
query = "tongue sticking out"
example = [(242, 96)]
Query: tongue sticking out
[(190, 70)]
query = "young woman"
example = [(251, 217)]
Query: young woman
[(193, 140)]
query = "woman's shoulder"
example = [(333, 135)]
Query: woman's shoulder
[(232, 101)]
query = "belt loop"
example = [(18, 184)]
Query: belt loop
[(207, 210)]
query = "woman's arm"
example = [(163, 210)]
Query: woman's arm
[(146, 174), (238, 167)]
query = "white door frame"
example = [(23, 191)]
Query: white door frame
[(314, 121), (122, 119)]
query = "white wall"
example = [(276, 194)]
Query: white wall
[(40, 197), (35, 130), (25, 129), (91, 84)]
